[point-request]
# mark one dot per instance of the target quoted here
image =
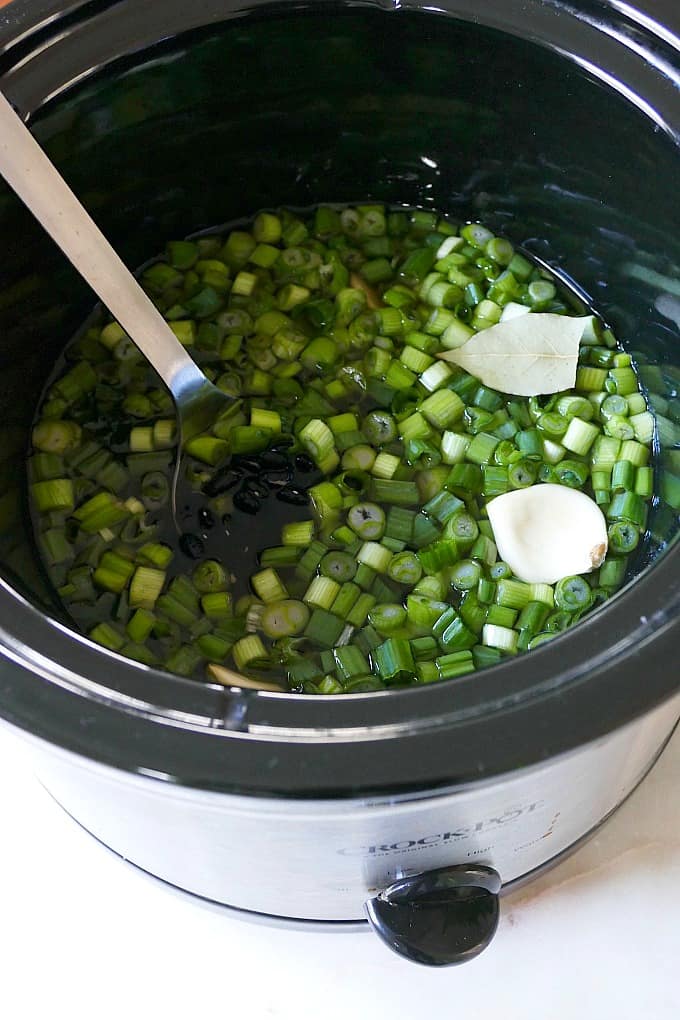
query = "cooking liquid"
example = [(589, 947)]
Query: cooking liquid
[(233, 537)]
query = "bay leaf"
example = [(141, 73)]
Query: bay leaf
[(526, 356)]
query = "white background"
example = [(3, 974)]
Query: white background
[(84, 935)]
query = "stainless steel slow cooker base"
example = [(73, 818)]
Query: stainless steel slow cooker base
[(359, 924), (321, 860)]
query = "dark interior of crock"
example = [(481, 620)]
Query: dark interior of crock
[(302, 108)]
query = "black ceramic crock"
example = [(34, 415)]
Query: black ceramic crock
[(558, 124)]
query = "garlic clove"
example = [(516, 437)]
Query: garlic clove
[(547, 532), (226, 677)]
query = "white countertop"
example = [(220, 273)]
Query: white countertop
[(84, 935)]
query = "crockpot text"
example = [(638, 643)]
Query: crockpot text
[(463, 832)]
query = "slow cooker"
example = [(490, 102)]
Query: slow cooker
[(556, 123)]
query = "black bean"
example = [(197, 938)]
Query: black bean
[(250, 464), (296, 497), (191, 545), (206, 518), (223, 481), (276, 479), (274, 459), (247, 502), (117, 433), (257, 487), (304, 463)]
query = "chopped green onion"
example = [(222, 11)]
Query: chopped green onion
[(503, 638), (452, 632), (140, 625), (442, 408), (635, 452), (359, 458), (268, 586), (322, 592), (503, 616), (580, 436), (573, 594), (210, 576), (466, 575), (443, 506), (612, 572), (145, 586), (114, 572), (394, 661), (623, 476), (513, 594), (55, 494), (367, 520), (454, 665), (627, 506), (249, 651), (375, 555), (298, 533), (56, 436), (394, 492), (424, 648), (358, 614), (481, 448), (405, 568), (318, 440), (284, 619), (644, 482), (339, 566), (217, 605), (156, 554), (623, 537), (387, 618), (324, 628), (345, 599), (533, 617), (385, 465), (106, 635), (542, 593)]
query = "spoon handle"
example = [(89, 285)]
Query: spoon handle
[(43, 190)]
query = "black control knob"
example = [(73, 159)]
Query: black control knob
[(440, 917)]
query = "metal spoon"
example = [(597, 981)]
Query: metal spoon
[(43, 190)]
